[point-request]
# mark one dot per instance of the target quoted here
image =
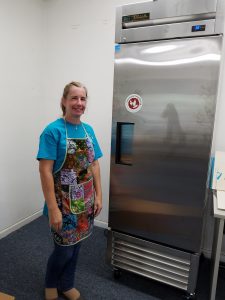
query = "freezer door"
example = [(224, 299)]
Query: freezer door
[(163, 115)]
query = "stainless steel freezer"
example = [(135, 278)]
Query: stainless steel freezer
[(167, 60)]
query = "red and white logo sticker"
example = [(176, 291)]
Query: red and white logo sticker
[(133, 103)]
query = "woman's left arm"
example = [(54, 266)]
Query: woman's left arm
[(97, 185)]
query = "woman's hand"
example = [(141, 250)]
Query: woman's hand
[(97, 205), (47, 182), (55, 219), (97, 185)]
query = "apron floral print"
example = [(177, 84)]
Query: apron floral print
[(75, 192)]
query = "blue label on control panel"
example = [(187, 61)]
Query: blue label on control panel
[(197, 28), (117, 48)]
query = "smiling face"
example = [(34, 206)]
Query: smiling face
[(74, 103)]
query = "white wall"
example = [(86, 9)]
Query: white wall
[(44, 45), (21, 98)]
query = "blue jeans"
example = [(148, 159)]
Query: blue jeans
[(61, 267)]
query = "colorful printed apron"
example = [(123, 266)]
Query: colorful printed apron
[(74, 191)]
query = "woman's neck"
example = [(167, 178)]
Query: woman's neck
[(73, 120)]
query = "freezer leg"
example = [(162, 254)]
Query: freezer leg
[(216, 251), (116, 273), (190, 296)]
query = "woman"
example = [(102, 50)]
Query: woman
[(70, 177)]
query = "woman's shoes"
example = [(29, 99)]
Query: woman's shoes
[(51, 294), (72, 294)]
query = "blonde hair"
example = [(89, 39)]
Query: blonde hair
[(66, 92)]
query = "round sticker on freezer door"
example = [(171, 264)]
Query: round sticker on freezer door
[(133, 103)]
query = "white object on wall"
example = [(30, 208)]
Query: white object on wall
[(218, 183), (219, 171)]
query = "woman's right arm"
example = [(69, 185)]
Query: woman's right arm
[(47, 182)]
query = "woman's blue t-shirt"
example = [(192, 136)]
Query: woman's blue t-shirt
[(52, 144)]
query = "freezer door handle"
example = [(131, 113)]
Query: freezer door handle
[(124, 143)]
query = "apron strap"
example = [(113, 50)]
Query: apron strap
[(85, 131), (65, 127)]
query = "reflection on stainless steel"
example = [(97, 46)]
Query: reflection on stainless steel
[(160, 196), (174, 129), (159, 49), (208, 57)]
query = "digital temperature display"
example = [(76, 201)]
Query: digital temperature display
[(197, 28)]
